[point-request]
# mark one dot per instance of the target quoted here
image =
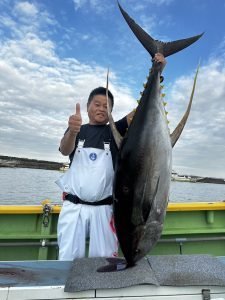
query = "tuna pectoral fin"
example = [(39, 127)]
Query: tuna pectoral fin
[(178, 130), (154, 46), (115, 132), (146, 203), (148, 206)]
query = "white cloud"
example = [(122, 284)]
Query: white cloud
[(160, 2), (79, 3), (7, 22), (38, 93), (149, 23), (202, 144), (30, 46), (26, 18), (141, 5), (26, 9), (150, 19), (98, 6)]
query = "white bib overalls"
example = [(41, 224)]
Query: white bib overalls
[(90, 178)]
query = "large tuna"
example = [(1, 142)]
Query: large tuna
[(143, 169)]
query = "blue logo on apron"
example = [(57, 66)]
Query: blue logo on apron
[(93, 156)]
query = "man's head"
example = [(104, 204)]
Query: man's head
[(97, 106), (100, 91)]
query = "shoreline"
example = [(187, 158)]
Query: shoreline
[(17, 162)]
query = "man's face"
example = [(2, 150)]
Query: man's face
[(97, 110)]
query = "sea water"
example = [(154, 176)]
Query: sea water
[(20, 186)]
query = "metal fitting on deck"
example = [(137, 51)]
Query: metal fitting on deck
[(47, 209)]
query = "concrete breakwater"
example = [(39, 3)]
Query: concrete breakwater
[(17, 162)]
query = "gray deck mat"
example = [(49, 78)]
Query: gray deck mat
[(173, 270), (83, 275), (186, 270)]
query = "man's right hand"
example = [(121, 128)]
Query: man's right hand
[(75, 121)]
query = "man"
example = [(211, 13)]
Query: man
[(87, 209)]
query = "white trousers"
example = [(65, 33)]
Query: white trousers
[(77, 222)]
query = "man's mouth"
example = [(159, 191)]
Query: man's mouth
[(101, 115)]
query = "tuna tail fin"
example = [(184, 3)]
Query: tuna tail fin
[(178, 130), (155, 46)]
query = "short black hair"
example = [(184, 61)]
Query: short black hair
[(100, 91)]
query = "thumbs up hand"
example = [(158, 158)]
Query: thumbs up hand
[(75, 121)]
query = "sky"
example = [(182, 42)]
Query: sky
[(54, 52)]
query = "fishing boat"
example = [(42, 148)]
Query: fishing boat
[(186, 178), (64, 168), (29, 232), (176, 177), (28, 253)]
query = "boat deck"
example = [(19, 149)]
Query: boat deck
[(35, 280)]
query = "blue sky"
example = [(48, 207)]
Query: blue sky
[(54, 52)]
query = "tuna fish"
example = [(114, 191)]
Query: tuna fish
[(143, 169)]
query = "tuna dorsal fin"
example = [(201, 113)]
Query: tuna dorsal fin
[(178, 130), (155, 46), (117, 137)]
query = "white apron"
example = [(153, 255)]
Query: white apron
[(90, 178)]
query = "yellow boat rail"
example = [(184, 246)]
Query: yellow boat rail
[(184, 206)]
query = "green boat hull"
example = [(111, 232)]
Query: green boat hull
[(30, 232)]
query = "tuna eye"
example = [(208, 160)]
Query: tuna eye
[(125, 190), (137, 251)]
